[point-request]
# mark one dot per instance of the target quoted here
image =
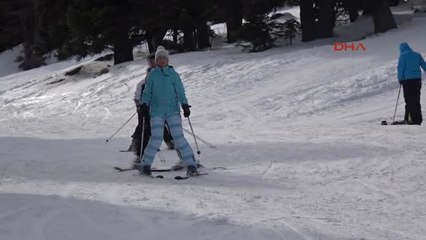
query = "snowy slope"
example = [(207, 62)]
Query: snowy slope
[(297, 129), (7, 61)]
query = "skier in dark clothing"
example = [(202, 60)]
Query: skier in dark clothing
[(410, 76), (137, 135)]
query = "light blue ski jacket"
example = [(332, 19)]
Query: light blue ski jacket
[(409, 64), (164, 92)]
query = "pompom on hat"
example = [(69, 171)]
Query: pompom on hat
[(161, 51)]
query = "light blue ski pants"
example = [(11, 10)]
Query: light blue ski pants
[(175, 125)]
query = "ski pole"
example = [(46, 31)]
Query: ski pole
[(142, 139), (396, 105), (161, 155), (201, 140), (193, 134), (121, 127)]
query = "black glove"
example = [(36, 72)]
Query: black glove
[(143, 110), (186, 111)]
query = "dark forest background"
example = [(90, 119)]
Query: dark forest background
[(83, 27)]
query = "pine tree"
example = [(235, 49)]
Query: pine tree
[(96, 25), (260, 30), (257, 31), (291, 28), (187, 17), (10, 28)]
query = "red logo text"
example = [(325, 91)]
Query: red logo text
[(354, 47)]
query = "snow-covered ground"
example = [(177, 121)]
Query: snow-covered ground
[(8, 64), (297, 130)]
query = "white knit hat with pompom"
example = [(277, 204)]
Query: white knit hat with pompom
[(161, 51)]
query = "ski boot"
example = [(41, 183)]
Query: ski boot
[(145, 170), (192, 171), (136, 163)]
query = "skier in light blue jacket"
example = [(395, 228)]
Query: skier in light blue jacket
[(410, 76), (162, 99)]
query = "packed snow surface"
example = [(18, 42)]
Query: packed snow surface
[(297, 130)]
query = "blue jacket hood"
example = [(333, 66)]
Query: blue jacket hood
[(409, 64), (404, 47)]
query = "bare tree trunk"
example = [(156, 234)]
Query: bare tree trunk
[(383, 18), (307, 20), (234, 19), (123, 48), (149, 41), (30, 24), (203, 37), (189, 43), (326, 19), (155, 38), (175, 36)]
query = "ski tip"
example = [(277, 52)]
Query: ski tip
[(181, 178), (152, 176), (156, 176), (118, 169), (186, 177)]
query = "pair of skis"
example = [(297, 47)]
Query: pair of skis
[(178, 177), (119, 169)]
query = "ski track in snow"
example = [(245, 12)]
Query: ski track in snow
[(65, 218), (300, 196), (298, 132)]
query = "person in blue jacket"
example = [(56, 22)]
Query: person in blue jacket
[(410, 77), (137, 135), (162, 98)]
